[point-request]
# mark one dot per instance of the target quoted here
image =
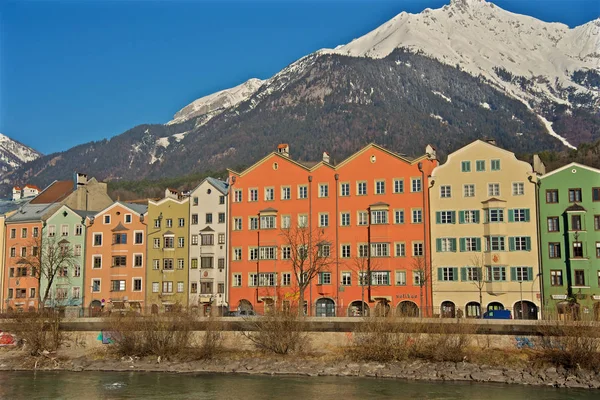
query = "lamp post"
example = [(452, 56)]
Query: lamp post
[(521, 290)]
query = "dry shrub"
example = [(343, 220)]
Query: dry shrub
[(211, 342), (379, 339), (571, 345), (443, 342), (40, 331), (279, 332)]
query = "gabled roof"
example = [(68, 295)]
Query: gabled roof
[(31, 212), (207, 229), (492, 199), (57, 191), (166, 199), (218, 184), (120, 228), (568, 166), (138, 209), (32, 187)]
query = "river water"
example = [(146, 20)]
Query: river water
[(133, 385)]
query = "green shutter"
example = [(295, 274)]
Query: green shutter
[(463, 244), (527, 215), (438, 217), (476, 216), (511, 215), (461, 217), (528, 243), (530, 273), (440, 274), (453, 243), (438, 245), (463, 274), (513, 273), (511, 244), (478, 244), (454, 273), (453, 217)]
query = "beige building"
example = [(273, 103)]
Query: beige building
[(484, 234)]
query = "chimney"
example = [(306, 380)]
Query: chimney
[(326, 157), (80, 179), (490, 141), (284, 149), (431, 152), (171, 193)]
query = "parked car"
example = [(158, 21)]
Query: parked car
[(497, 314), (241, 313)]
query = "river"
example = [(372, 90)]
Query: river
[(124, 385)]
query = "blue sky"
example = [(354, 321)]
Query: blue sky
[(77, 71)]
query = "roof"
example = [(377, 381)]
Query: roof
[(31, 212), (32, 187), (283, 146), (138, 208), (571, 165), (491, 199), (308, 164), (268, 210), (84, 213), (379, 204), (119, 228), (57, 191), (575, 208), (207, 229), (221, 186), (16, 188)]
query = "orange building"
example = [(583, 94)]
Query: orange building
[(374, 200), (115, 260)]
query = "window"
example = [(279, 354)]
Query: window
[(95, 285), (469, 217), (269, 194), (324, 250), (156, 242), (445, 191), (169, 223), (268, 253), (323, 219), (518, 215), (10, 293), (76, 292), (493, 189), (345, 219), (380, 187), (552, 196), (252, 194), (597, 249), (168, 264), (398, 185), (302, 220), (379, 217), (206, 262), (398, 216), (179, 287), (469, 190), (155, 287), (346, 278), (169, 242), (380, 249), (470, 244), (97, 239), (286, 252), (480, 165), (495, 243), (139, 237), (363, 250), (194, 287), (36, 232), (577, 250), (380, 278), (13, 231), (417, 278), (361, 188), (24, 251), (253, 223), (494, 215), (496, 273), (221, 199), (221, 238), (417, 216), (127, 218), (24, 232), (574, 195), (13, 252), (194, 219), (415, 185), (556, 278), (76, 270), (448, 274), (236, 280), (180, 263), (495, 165), (119, 238), (237, 254), (575, 222), (417, 249), (344, 189), (137, 284), (302, 191), (195, 200), (324, 278), (138, 260), (237, 224), (596, 194), (286, 193), (444, 245), (554, 250), (472, 274), (400, 278), (363, 218), (209, 218), (445, 217), (267, 222), (519, 243), (465, 166), (400, 250), (597, 222), (117, 286), (237, 196), (579, 277), (119, 261), (107, 219), (97, 262), (521, 274), (323, 190), (267, 279), (518, 188), (345, 251), (167, 287)]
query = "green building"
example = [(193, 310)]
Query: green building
[(569, 201)]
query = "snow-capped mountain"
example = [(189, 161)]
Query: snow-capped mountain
[(212, 105), (14, 154)]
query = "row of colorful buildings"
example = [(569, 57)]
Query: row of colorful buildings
[(481, 232)]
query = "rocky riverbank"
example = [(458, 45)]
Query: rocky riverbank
[(11, 360)]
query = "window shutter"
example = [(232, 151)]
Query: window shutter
[(478, 244), (528, 243), (527, 215), (463, 274), (513, 273), (530, 273), (453, 217), (511, 244), (455, 274), (476, 216), (511, 215), (463, 244), (438, 217), (440, 274), (461, 217), (453, 242), (438, 245)]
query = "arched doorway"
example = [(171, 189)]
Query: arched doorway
[(325, 307), (358, 308), (154, 308), (244, 305), (473, 309), (95, 308), (407, 309), (530, 310), (382, 308), (494, 305), (269, 305), (448, 309)]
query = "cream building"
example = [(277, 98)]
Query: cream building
[(484, 234)]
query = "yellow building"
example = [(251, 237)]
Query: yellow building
[(167, 267), (484, 234)]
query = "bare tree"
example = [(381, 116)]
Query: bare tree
[(477, 279), (309, 256), (360, 265), (47, 260), (423, 271)]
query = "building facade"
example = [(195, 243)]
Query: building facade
[(208, 246), (368, 214), (484, 233), (167, 253), (115, 260), (569, 201)]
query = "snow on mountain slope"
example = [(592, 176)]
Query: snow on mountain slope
[(13, 153), (481, 37), (213, 104)]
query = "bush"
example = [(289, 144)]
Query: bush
[(379, 339), (40, 331), (279, 332), (570, 345)]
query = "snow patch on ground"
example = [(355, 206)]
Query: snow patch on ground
[(448, 99), (548, 126), (485, 105)]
